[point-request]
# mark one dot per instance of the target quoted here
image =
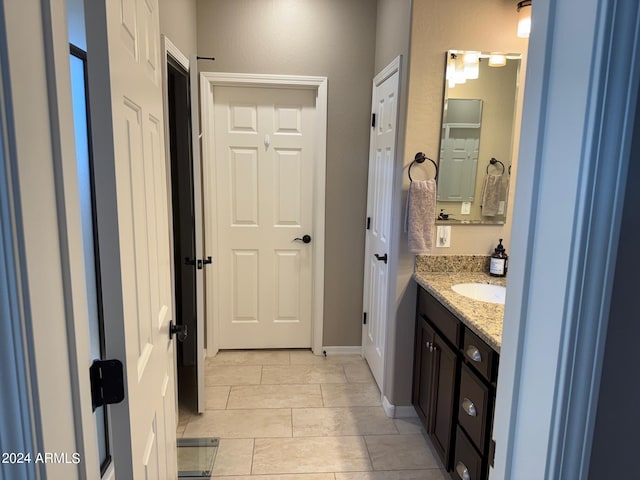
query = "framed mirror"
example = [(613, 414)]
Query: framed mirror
[(476, 144)]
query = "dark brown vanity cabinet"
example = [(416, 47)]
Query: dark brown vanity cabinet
[(434, 388), (454, 388)]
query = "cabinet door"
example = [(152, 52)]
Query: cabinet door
[(442, 414), (423, 371)]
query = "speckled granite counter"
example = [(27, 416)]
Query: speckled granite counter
[(484, 319)]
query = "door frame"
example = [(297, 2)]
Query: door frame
[(209, 80)]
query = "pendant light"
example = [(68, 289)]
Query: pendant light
[(524, 18)]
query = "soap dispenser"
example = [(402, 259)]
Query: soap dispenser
[(499, 260)]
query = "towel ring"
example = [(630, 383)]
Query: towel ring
[(493, 161), (420, 158)]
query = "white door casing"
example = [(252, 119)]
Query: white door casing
[(198, 223), (291, 255), (132, 214), (264, 165), (382, 153)]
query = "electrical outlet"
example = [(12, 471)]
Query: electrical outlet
[(465, 209), (443, 236)]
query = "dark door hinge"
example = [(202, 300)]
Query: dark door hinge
[(492, 452), (364, 318), (107, 382), (368, 223), (373, 119)]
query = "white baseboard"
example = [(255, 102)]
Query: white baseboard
[(355, 350), (393, 411)]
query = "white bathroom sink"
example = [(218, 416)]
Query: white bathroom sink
[(481, 291)]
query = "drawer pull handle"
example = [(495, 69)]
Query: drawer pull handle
[(469, 407), (474, 354), (462, 471)]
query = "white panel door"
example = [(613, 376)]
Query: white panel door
[(382, 156), (264, 154), (127, 115)]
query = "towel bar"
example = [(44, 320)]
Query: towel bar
[(493, 161), (420, 158)]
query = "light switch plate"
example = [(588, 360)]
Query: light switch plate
[(443, 236), (465, 209)]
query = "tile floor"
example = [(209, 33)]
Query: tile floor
[(288, 415)]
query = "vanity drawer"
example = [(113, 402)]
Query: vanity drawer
[(448, 325), (480, 355), (467, 462), (473, 407)]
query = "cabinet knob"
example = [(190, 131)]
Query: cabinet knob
[(473, 353), (469, 407), (462, 471)]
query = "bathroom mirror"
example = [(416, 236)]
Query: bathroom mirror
[(476, 143)]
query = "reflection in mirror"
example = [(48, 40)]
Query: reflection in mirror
[(477, 137)]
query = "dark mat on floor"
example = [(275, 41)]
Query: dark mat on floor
[(196, 457)]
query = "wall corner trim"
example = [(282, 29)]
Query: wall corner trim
[(399, 411)]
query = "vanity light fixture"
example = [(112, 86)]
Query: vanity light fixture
[(459, 75), (497, 60), (524, 18), (472, 65)]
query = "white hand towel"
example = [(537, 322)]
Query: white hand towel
[(491, 195), (421, 215)]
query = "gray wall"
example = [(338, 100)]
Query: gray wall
[(178, 22), (332, 38)]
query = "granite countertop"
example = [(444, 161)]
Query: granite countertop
[(483, 318)]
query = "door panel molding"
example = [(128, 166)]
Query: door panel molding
[(209, 80)]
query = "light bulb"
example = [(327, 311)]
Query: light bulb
[(497, 60), (524, 19), (472, 70)]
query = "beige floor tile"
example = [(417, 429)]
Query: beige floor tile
[(435, 474), (350, 395), (234, 457), (302, 374), (308, 455), (358, 373), (232, 375), (320, 422), (183, 417), (250, 357), (216, 397), (409, 425), (295, 476), (241, 423), (306, 357), (275, 396), (401, 452)]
